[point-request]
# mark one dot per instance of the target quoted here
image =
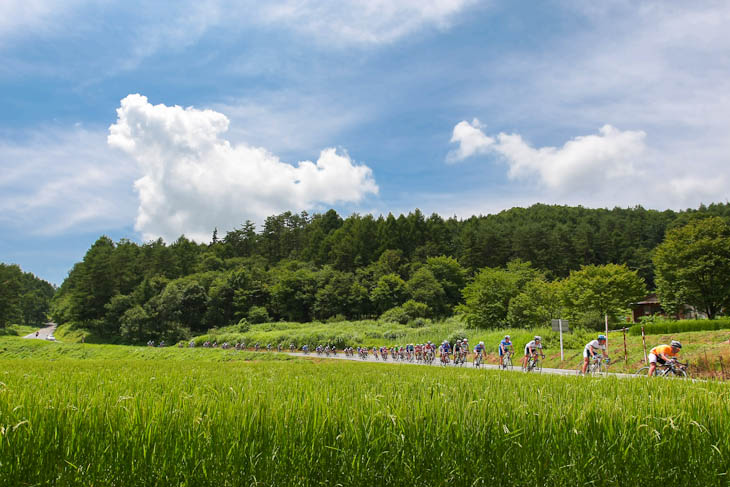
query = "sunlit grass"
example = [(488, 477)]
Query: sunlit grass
[(205, 423)]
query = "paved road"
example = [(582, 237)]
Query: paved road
[(436, 363), (44, 333)]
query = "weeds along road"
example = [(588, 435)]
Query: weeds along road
[(436, 363)]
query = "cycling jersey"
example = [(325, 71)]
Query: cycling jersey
[(503, 346), (479, 348), (532, 346), (664, 349), (593, 344)]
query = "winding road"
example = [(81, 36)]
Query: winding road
[(44, 333)]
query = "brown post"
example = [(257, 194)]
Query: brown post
[(626, 355), (643, 339)]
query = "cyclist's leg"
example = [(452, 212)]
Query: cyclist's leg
[(652, 364), (586, 359)]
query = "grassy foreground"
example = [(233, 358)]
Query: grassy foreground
[(159, 422)]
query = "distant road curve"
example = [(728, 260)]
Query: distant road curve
[(436, 363), (44, 333)]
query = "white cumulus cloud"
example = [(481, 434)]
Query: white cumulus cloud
[(611, 154), (471, 141), (194, 179)]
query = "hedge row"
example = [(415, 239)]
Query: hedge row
[(664, 327)]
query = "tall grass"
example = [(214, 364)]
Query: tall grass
[(199, 424)]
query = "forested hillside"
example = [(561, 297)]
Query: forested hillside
[(299, 267), (24, 298)]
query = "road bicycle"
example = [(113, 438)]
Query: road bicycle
[(533, 364), (477, 360), (670, 369), (444, 358), (596, 366), (506, 362)]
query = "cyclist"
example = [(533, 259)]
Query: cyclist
[(479, 350), (531, 350), (661, 354), (457, 351), (591, 349), (505, 346), (464, 349), (445, 350)]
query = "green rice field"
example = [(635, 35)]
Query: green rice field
[(308, 422)]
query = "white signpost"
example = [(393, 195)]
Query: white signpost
[(561, 326)]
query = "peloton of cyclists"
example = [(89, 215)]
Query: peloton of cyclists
[(661, 354), (531, 350), (591, 350)]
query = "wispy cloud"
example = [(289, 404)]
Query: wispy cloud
[(61, 180), (372, 22)]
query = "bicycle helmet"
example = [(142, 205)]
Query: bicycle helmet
[(507, 337), (602, 337), (676, 344), (538, 338), (481, 343)]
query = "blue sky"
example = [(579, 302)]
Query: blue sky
[(153, 119)]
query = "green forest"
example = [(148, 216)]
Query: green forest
[(24, 298), (519, 267)]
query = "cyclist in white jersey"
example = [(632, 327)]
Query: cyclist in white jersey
[(531, 349), (591, 349)]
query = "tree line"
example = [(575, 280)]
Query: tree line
[(24, 298), (299, 267)]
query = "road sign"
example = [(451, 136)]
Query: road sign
[(562, 327), (556, 325)]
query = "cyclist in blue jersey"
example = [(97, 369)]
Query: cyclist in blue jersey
[(479, 350)]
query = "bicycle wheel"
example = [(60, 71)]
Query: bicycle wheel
[(643, 371), (508, 364), (676, 373)]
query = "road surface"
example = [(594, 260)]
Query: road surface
[(44, 333), (436, 363)]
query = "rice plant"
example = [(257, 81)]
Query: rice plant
[(195, 423)]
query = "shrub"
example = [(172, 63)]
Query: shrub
[(396, 315), (243, 326), (418, 323), (456, 335), (258, 314), (682, 326), (393, 335), (414, 309), (408, 311)]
